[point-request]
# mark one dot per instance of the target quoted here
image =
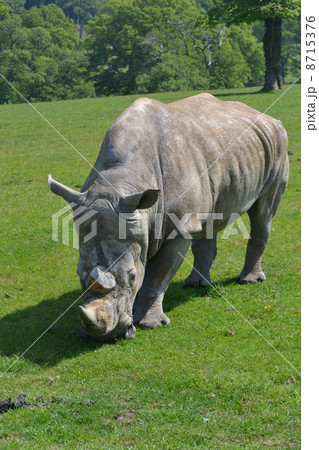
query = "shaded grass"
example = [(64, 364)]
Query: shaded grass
[(193, 384)]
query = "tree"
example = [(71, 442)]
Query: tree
[(81, 11), (251, 50), (129, 36), (291, 49), (272, 12), (153, 45), (232, 56), (38, 3), (230, 69), (53, 19), (40, 52), (173, 73), (4, 10), (17, 6), (115, 47)]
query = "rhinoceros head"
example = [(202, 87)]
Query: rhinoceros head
[(111, 268)]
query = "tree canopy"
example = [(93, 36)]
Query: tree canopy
[(138, 46), (4, 10), (135, 46), (41, 53), (238, 11), (272, 12)]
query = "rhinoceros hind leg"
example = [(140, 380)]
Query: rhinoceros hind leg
[(204, 251), (148, 309), (251, 277), (261, 215)]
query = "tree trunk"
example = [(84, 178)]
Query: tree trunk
[(283, 69), (81, 28), (272, 51)]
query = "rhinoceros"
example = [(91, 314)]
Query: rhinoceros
[(191, 158)]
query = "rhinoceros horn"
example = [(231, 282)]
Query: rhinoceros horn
[(100, 279), (70, 195), (87, 316), (90, 323), (98, 320)]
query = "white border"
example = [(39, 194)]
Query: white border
[(310, 276)]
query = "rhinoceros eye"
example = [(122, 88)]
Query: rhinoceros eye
[(131, 277)]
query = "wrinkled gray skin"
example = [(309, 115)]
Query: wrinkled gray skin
[(153, 154)]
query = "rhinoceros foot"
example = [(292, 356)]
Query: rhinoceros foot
[(152, 321), (251, 277), (196, 281)]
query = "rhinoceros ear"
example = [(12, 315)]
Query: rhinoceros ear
[(141, 200), (70, 195)]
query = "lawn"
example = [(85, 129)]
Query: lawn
[(210, 380)]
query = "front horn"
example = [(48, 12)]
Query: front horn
[(70, 195)]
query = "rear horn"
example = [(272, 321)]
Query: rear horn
[(102, 278)]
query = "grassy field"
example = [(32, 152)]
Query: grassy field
[(208, 381)]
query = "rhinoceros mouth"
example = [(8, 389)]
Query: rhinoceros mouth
[(128, 332), (105, 325)]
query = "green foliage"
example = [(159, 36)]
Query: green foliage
[(204, 4), (238, 11), (192, 385), (116, 48), (38, 3), (131, 46), (230, 69), (148, 46), (173, 73), (237, 61), (17, 6), (4, 10), (291, 49), (40, 53), (252, 52), (52, 18), (80, 10), (272, 12), (128, 36)]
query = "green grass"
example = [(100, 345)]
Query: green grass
[(189, 385)]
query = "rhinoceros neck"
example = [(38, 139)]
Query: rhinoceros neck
[(121, 178)]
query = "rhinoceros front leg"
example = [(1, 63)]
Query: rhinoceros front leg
[(204, 251), (148, 310), (260, 215)]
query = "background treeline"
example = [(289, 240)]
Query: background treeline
[(59, 49)]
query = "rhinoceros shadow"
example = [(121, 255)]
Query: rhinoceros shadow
[(177, 295), (60, 336), (50, 329), (230, 94)]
